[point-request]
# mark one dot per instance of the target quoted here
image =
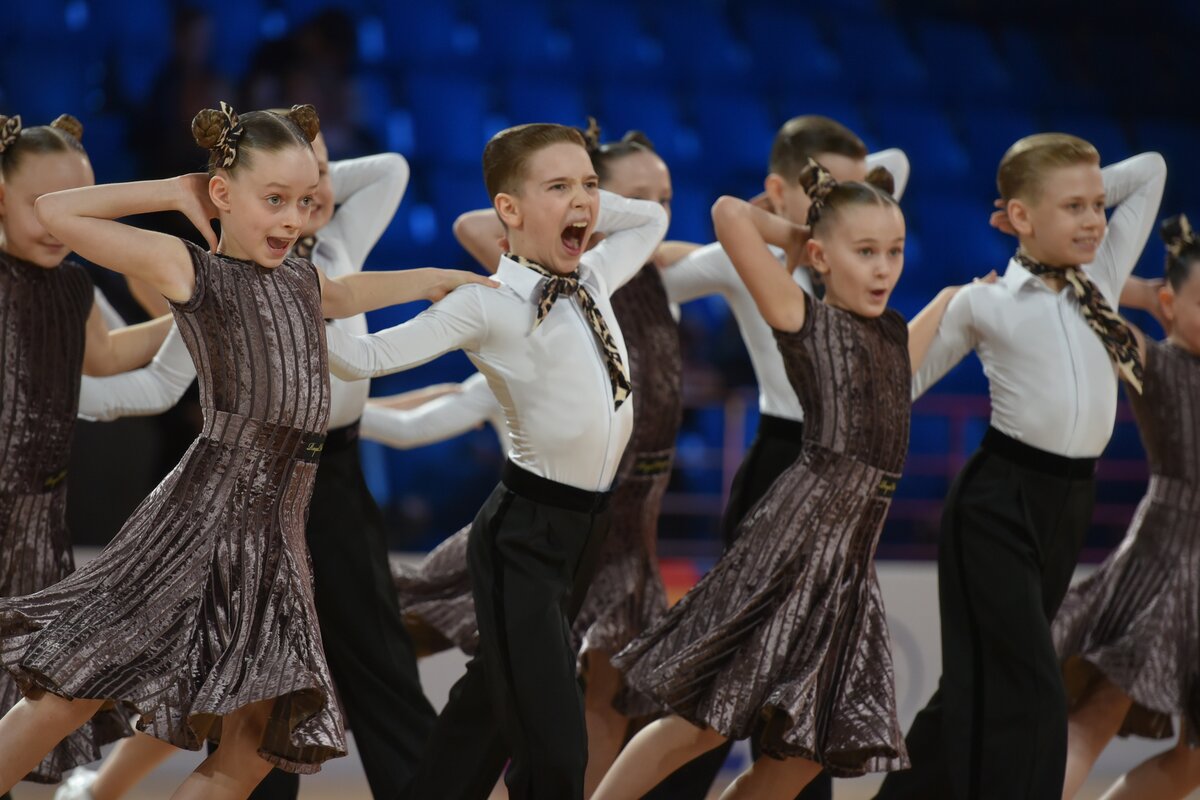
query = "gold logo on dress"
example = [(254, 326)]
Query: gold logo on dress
[(55, 479), (315, 448)]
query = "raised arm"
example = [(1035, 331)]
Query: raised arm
[(632, 230), (108, 352), (368, 191), (141, 392), (85, 220), (360, 292), (480, 232), (894, 161), (745, 231), (437, 420), (954, 336), (1133, 189), (457, 322)]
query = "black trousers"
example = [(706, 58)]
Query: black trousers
[(776, 447), (532, 552), (1012, 528), (369, 652)]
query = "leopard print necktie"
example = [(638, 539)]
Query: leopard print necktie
[(1114, 332), (555, 285)]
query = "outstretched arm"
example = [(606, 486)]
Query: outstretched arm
[(85, 220), (745, 231), (141, 392), (435, 421), (108, 352), (954, 336), (632, 230), (366, 291), (923, 328)]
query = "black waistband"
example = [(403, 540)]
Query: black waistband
[(343, 437), (543, 490), (789, 430), (1024, 455)]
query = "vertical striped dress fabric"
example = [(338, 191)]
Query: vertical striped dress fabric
[(627, 594), (1136, 619), (43, 322), (203, 602), (785, 639)]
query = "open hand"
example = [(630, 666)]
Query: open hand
[(451, 279), (1000, 221), (195, 204), (763, 201), (797, 247)]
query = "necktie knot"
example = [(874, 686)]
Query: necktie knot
[(1114, 332)]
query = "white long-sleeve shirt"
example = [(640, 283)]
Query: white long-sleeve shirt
[(368, 191), (708, 271), (438, 420), (1052, 383), (552, 382)]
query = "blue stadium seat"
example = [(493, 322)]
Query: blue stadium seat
[(448, 115), (691, 220), (735, 130), (788, 48), (989, 133), (652, 110), (925, 134), (519, 36), (971, 70), (530, 99), (1031, 70), (40, 83), (1099, 129), (615, 43), (429, 34), (957, 243), (880, 59), (699, 45)]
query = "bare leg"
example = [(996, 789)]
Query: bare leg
[(770, 778), (1167, 776), (605, 725), (1090, 727), (34, 727), (129, 762), (659, 749), (233, 771)]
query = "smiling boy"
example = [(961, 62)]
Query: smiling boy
[(1015, 518), (551, 350)]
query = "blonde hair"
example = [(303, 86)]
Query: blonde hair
[(1026, 163)]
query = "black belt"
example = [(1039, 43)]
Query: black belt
[(343, 437), (1024, 455), (790, 430), (543, 490), (238, 430)]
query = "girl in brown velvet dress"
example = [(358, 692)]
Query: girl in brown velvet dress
[(1129, 635), (785, 639), (198, 618), (50, 334)]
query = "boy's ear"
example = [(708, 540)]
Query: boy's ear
[(773, 185), (508, 208), (1018, 215), (1166, 300), (218, 192)]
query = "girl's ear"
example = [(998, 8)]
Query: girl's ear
[(1166, 299), (218, 192), (509, 209), (816, 257)]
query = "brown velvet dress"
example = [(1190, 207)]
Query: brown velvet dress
[(785, 640), (627, 592), (1136, 620), (43, 331), (202, 603)]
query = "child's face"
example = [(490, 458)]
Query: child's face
[(789, 197), (1065, 223), (323, 204), (553, 215), (860, 256), (265, 207), (36, 175), (641, 176), (1182, 309)]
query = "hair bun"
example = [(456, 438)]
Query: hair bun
[(638, 138), (1177, 233), (591, 135), (208, 128), (69, 124), (10, 130), (817, 183), (882, 179), (306, 119)]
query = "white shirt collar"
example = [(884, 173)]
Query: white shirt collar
[(524, 281)]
